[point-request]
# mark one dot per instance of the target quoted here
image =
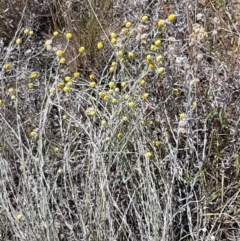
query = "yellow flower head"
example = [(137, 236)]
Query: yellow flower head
[(93, 84), (112, 69), (120, 54), (182, 116), (26, 31), (33, 75), (149, 58), (145, 95), (66, 89), (60, 85), (33, 134), (119, 135), (105, 98), (123, 84), (31, 32), (100, 45), (128, 24), (1, 102), (30, 86), (69, 83), (19, 217), (161, 70), (114, 101), (144, 18), (111, 84), (159, 58), (148, 154), (67, 78), (102, 94), (152, 66), (113, 35), (55, 33), (48, 43), (142, 82), (157, 143), (59, 53), (64, 117), (114, 64), (90, 111), (172, 17), (81, 49), (157, 42), (126, 97), (131, 55), (161, 23), (62, 60), (56, 149), (18, 41), (125, 118), (68, 35), (91, 76), (175, 91), (103, 122), (7, 66), (131, 104), (153, 47), (76, 75), (11, 91), (113, 41)]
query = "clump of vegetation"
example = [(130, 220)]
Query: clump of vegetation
[(120, 126)]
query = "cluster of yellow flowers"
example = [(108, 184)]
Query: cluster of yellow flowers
[(116, 95)]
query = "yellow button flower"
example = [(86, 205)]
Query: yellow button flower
[(113, 41), (68, 35), (123, 84), (113, 35), (142, 82), (30, 85), (66, 89), (19, 217), (59, 53), (91, 76), (18, 41), (26, 31), (111, 84), (128, 24), (76, 75), (161, 23), (55, 33), (161, 70), (62, 61), (60, 85), (144, 18), (131, 55), (148, 154), (182, 116), (157, 42), (172, 17), (159, 58), (100, 45), (93, 84), (81, 49), (131, 104), (67, 78), (33, 75), (7, 66)]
